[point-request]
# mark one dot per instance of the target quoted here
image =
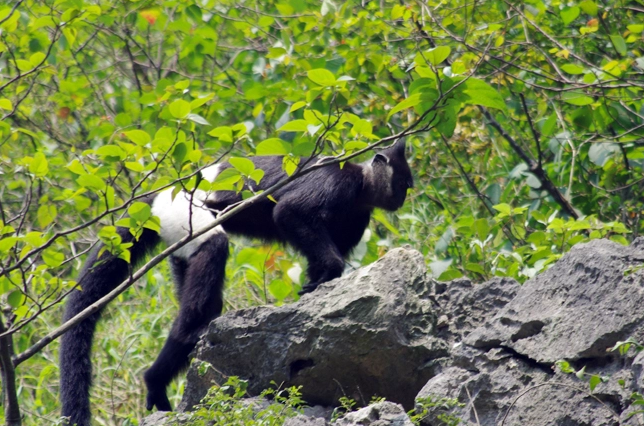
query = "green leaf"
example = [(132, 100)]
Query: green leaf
[(39, 166), (475, 267), (196, 103), (599, 153), (447, 118), (36, 58), (70, 14), (295, 126), (272, 146), (179, 109), (139, 137), (6, 229), (303, 149), (70, 34), (577, 98), (481, 93), (7, 244), (425, 72), (140, 211), (569, 14), (91, 181), (321, 77), (43, 21), (422, 85), (243, 165), (450, 275), (411, 101), (111, 151), (363, 127), (438, 54), (226, 180), (23, 65), (182, 85), (21, 311), (34, 239), (482, 228), (179, 153), (503, 208), (275, 52), (198, 119), (619, 43), (580, 373), (135, 166), (589, 7), (46, 214), (549, 126), (380, 217), (355, 145), (572, 69), (297, 105), (439, 266), (256, 175), (594, 381), (5, 285), (564, 366), (16, 298), (224, 133), (6, 104), (289, 164), (279, 289), (53, 257)]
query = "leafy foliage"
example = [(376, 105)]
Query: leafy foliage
[(440, 405), (224, 405), (526, 121)]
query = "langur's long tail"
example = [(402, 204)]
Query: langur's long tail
[(96, 280)]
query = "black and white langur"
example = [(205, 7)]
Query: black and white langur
[(322, 214)]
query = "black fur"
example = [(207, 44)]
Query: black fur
[(200, 296), (96, 280), (323, 215)]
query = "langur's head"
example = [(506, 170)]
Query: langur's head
[(390, 177)]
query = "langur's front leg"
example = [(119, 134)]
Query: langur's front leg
[(313, 240)]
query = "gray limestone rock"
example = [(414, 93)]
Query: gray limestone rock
[(380, 414), (369, 333), (503, 371), (302, 420), (577, 309), (464, 305)]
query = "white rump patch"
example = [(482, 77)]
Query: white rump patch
[(186, 213)]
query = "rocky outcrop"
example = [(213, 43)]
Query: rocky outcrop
[(355, 336), (585, 303), (464, 306), (504, 370), (379, 414), (484, 354)]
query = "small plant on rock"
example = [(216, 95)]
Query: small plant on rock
[(226, 405)]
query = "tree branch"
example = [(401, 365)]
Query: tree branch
[(534, 167), (10, 396)]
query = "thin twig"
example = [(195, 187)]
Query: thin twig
[(615, 415)]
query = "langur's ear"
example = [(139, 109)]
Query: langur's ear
[(399, 146), (380, 158)]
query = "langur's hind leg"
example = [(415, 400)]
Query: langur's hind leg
[(200, 297)]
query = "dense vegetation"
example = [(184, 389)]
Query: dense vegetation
[(526, 123)]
